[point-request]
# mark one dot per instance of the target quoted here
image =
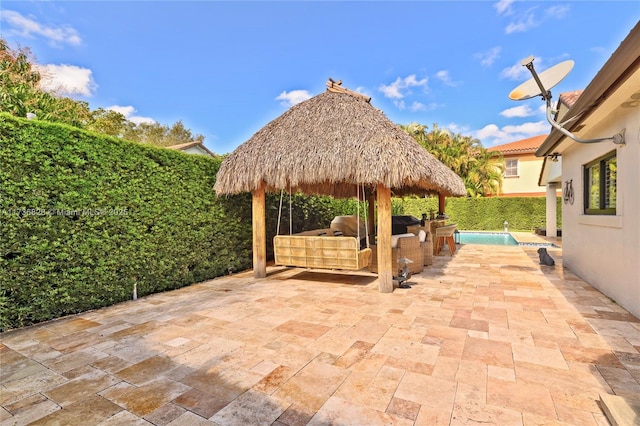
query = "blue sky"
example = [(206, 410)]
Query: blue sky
[(228, 68)]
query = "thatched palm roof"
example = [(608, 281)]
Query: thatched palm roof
[(328, 144)]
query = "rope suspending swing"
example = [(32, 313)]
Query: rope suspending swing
[(280, 213), (366, 222)]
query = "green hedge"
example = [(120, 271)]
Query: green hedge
[(84, 217), (485, 214)]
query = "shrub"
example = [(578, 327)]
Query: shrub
[(85, 217), (486, 214)]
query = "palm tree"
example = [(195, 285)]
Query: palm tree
[(490, 168), (480, 169)]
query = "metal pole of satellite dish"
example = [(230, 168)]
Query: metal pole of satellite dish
[(546, 94), (618, 138)]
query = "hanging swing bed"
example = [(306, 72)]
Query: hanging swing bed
[(337, 247)]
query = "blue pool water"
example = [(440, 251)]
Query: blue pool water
[(494, 238)]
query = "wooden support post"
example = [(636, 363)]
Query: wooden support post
[(441, 203), (385, 274), (258, 211)]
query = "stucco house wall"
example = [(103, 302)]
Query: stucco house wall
[(604, 250), (196, 149), (526, 183)]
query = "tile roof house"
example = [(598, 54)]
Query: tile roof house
[(195, 147), (522, 167), (567, 99), (600, 176)]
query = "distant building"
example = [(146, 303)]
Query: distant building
[(522, 167), (193, 148)]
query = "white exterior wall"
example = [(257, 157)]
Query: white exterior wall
[(195, 150), (605, 250)]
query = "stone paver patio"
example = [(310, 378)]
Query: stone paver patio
[(487, 336)]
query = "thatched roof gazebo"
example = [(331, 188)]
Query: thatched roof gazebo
[(329, 145)]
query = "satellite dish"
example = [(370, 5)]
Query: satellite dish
[(540, 83)]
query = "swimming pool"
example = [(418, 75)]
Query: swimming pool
[(493, 238)]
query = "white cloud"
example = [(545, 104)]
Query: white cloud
[(139, 120), (491, 134), (519, 111), (445, 78), (392, 91), (503, 7), (293, 97), (128, 111), (455, 128), (363, 90), (525, 22), (399, 88), (417, 106), (67, 80), (28, 27), (517, 72), (124, 110), (489, 57), (529, 129), (557, 12)]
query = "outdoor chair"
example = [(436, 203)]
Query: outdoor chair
[(425, 236), (445, 234), (403, 245), (426, 242)]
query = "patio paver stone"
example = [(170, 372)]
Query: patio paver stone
[(486, 336)]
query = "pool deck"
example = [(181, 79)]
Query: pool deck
[(487, 336), (531, 238)]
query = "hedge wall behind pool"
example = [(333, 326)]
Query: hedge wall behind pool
[(485, 214)]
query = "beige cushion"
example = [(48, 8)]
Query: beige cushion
[(395, 238), (348, 225)]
